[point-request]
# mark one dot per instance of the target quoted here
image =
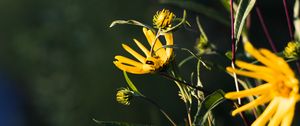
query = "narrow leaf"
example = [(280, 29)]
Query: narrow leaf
[(129, 22), (210, 102), (197, 57), (115, 123), (131, 85), (244, 8), (181, 63)]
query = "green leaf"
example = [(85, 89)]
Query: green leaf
[(129, 22), (199, 8), (114, 123), (131, 85), (244, 8), (228, 54), (209, 103)]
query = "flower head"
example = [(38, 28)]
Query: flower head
[(153, 60), (280, 90), (163, 19), (292, 50), (124, 95)]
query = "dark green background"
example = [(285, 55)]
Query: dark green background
[(60, 53)]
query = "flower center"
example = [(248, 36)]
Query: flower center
[(283, 90)]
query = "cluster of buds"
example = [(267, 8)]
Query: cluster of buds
[(124, 95), (163, 19), (292, 50)]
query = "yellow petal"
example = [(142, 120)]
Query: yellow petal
[(142, 47), (287, 120), (256, 54), (267, 114), (257, 75), (253, 67), (282, 66), (134, 53), (262, 89), (285, 105), (169, 41), (261, 100), (128, 61), (130, 69), (159, 51)]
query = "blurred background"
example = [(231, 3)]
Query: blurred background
[(56, 60)]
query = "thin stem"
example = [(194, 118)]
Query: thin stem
[(183, 91), (265, 29), (154, 41), (159, 108), (232, 30), (288, 19), (179, 81), (189, 115), (233, 49)]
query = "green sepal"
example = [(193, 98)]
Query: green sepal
[(131, 85)]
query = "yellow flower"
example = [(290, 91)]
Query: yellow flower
[(123, 96), (163, 19), (154, 60), (292, 50), (280, 90)]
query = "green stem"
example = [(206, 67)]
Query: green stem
[(182, 90), (179, 81)]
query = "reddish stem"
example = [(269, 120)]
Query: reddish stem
[(288, 19), (232, 31), (265, 29)]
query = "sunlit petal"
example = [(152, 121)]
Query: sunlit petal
[(267, 114), (284, 106), (169, 41), (159, 51), (142, 47), (130, 69), (288, 118), (128, 61), (134, 53)]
